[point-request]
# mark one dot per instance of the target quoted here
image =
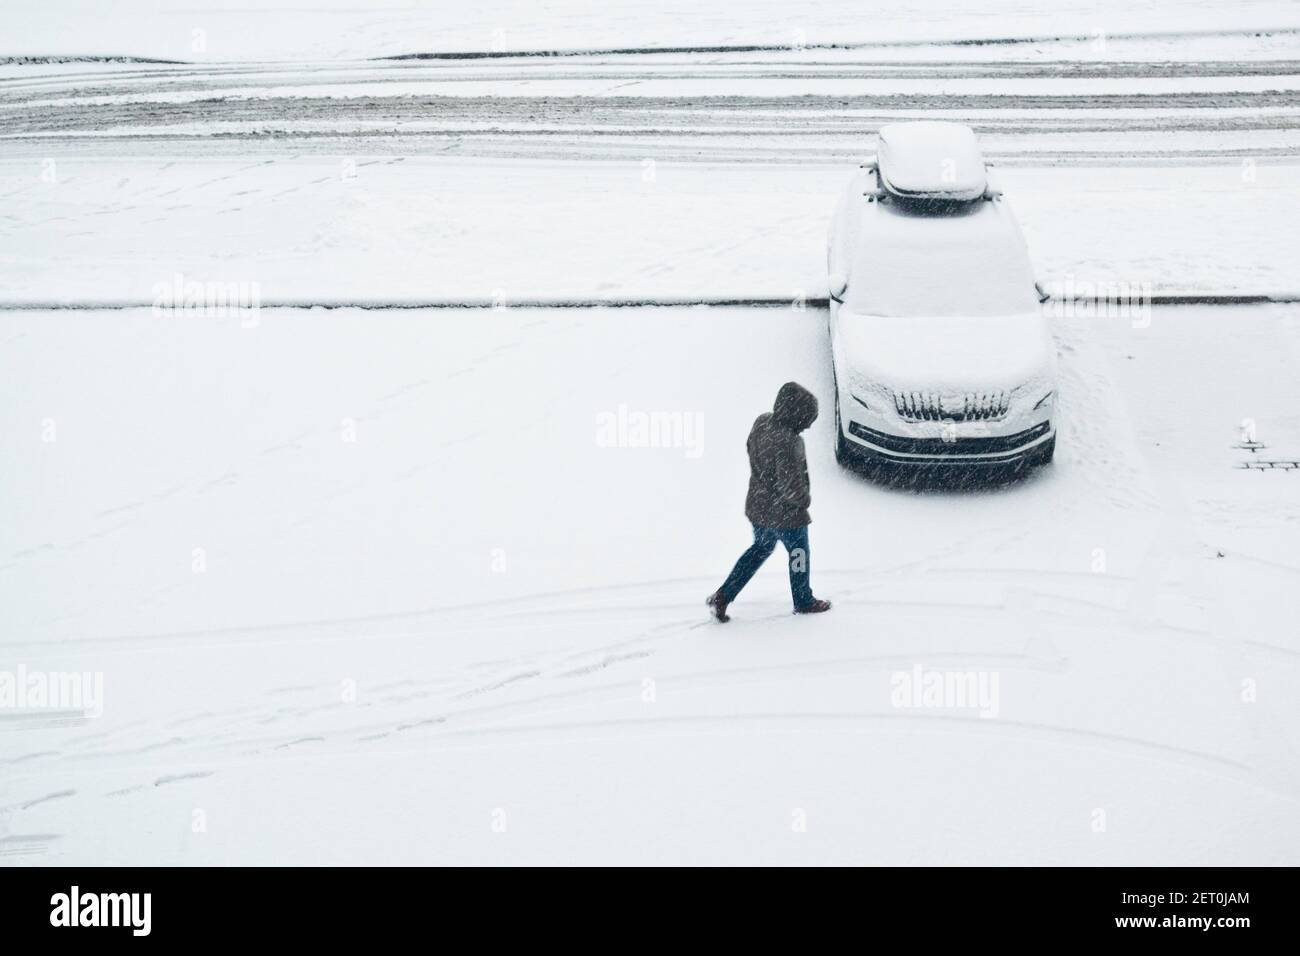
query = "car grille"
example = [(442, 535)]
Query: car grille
[(976, 445), (968, 407)]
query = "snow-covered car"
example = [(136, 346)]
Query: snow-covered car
[(942, 354)]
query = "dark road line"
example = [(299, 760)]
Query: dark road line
[(759, 302)]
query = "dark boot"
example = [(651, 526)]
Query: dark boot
[(816, 607), (719, 605)]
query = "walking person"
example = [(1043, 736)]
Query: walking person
[(778, 499)]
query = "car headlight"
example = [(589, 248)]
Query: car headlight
[(1046, 401), (866, 390)]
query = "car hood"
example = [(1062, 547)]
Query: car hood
[(946, 352)]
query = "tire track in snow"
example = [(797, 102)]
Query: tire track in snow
[(1007, 41), (787, 117)]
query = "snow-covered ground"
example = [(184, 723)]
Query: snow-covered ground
[(400, 585), (416, 228), (231, 30), (641, 177), (420, 506)]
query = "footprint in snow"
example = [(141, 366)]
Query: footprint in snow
[(177, 777), (57, 795), (526, 675), (427, 722), (604, 663)]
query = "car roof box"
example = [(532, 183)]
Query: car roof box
[(931, 160)]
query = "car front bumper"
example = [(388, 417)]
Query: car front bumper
[(884, 437)]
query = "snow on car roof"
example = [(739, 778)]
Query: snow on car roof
[(910, 263), (931, 159)]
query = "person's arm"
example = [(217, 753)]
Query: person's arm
[(790, 472), (804, 486)]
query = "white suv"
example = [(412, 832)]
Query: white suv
[(942, 354)]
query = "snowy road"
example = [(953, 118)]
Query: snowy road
[(790, 106), (415, 602)]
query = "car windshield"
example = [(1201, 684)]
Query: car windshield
[(939, 266)]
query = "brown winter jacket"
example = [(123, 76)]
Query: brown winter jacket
[(779, 493)]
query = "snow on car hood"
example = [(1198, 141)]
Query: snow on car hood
[(947, 352)]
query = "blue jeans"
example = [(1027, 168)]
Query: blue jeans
[(765, 539)]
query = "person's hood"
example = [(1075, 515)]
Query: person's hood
[(795, 407)]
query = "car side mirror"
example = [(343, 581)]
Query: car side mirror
[(877, 193), (836, 283), (992, 190)]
